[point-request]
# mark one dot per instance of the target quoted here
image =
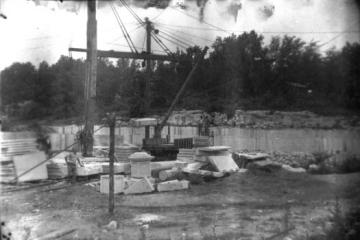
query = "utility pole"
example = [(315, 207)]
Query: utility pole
[(111, 121), (148, 27), (93, 53), (90, 78)]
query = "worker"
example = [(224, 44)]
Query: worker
[(72, 161)]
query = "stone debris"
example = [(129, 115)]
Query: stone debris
[(173, 185), (147, 218), (264, 165), (265, 119), (193, 167), (295, 159), (170, 174), (112, 225), (292, 169)]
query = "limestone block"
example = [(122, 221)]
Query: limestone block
[(140, 164), (223, 163), (119, 184), (173, 185), (25, 162), (140, 186)]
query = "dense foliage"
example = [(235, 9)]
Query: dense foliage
[(239, 72)]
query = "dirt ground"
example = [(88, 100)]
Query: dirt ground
[(241, 206)]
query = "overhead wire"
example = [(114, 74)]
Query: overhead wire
[(131, 11), (124, 31), (262, 32), (161, 44), (189, 34), (332, 39), (174, 42), (207, 23), (175, 38), (181, 38)]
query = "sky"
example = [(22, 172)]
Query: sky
[(39, 30)]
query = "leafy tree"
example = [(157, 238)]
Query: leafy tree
[(351, 55)]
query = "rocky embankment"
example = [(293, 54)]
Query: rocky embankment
[(266, 119)]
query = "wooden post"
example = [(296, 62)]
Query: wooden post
[(112, 121), (90, 78), (148, 66)]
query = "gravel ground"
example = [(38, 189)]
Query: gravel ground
[(242, 206)]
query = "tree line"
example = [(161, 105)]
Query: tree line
[(240, 71)]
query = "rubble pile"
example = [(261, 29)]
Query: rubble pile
[(295, 159), (294, 162), (265, 119), (199, 165)]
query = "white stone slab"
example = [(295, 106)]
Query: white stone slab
[(25, 162), (141, 186), (223, 163), (173, 185), (119, 184)]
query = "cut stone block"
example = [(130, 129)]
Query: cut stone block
[(119, 184), (88, 169), (141, 186), (170, 174), (118, 168), (193, 167), (173, 185), (57, 170), (292, 169), (140, 164), (25, 162), (223, 163)]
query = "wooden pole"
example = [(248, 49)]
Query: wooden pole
[(111, 120), (148, 66), (90, 78)]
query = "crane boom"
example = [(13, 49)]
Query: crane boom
[(159, 127)]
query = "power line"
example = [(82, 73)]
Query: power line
[(124, 31), (161, 44), (158, 15), (191, 16), (191, 35), (175, 39), (189, 42), (262, 32), (332, 39), (132, 11), (174, 42)]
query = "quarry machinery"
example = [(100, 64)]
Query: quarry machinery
[(160, 147)]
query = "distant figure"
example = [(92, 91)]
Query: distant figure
[(72, 161), (204, 125), (44, 144)]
